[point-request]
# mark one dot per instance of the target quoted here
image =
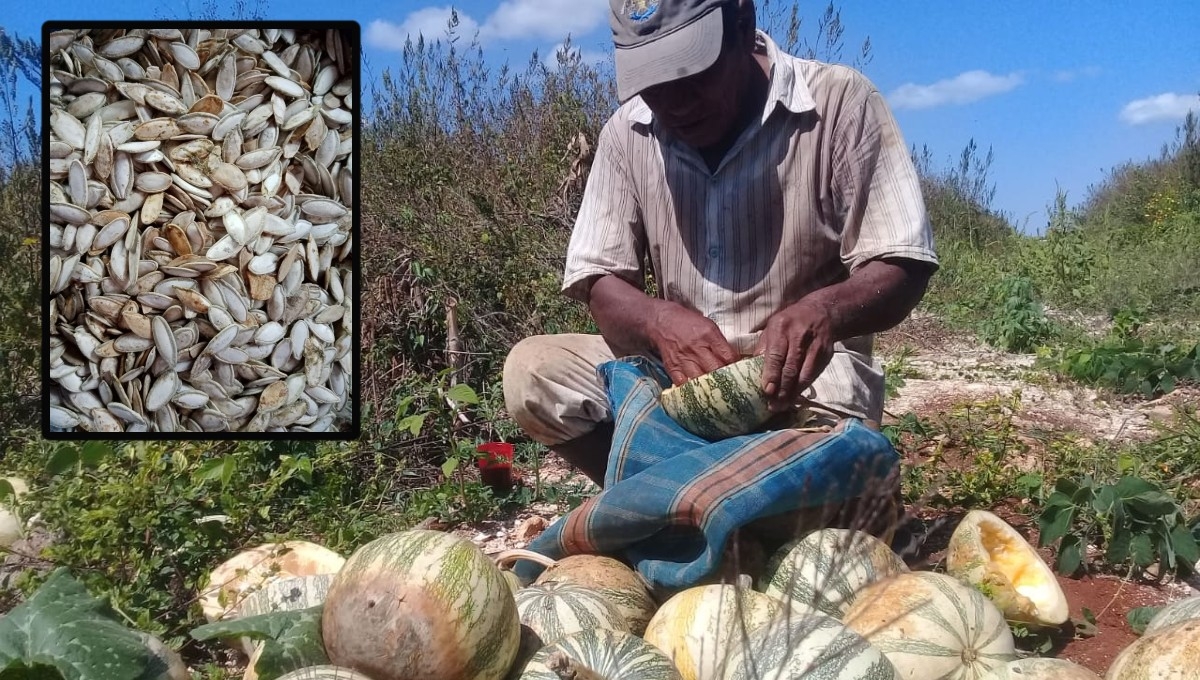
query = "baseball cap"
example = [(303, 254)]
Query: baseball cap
[(657, 41)]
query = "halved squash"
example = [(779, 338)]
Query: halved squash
[(990, 555)]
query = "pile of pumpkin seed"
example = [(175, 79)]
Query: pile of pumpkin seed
[(201, 230)]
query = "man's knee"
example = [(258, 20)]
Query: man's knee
[(524, 375), (551, 388)]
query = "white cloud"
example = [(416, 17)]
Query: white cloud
[(431, 22), (1166, 106), (516, 19), (590, 57), (1067, 75), (963, 88), (511, 20)]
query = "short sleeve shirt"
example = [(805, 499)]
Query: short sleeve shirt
[(817, 187)]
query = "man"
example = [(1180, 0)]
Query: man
[(779, 209)]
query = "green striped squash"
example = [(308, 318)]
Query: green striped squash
[(611, 578), (287, 594), (1035, 668), (805, 644), (696, 627), (932, 626), (552, 611), (608, 654), (724, 403), (421, 604), (324, 672), (826, 568), (1176, 612), (1172, 652)]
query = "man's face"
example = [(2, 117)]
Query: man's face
[(701, 109)]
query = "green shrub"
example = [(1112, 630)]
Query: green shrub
[(1017, 322)]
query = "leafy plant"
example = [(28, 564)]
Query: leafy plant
[(64, 628), (1133, 519), (1017, 323), (291, 639), (1129, 366)]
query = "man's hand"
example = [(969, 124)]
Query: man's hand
[(797, 342), (689, 343), (796, 345)]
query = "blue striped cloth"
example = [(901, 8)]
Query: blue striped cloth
[(671, 500)]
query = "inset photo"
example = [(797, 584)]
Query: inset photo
[(201, 230)]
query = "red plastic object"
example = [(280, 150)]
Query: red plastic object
[(495, 468)]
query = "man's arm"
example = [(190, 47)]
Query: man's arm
[(632, 322), (797, 342)]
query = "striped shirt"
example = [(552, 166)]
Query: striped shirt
[(819, 185)]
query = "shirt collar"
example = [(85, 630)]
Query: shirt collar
[(787, 87)]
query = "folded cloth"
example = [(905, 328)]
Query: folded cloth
[(671, 499)]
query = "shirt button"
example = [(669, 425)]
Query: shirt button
[(713, 252)]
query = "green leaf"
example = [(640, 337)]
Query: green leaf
[(228, 467), (449, 466), (64, 458), (63, 627), (1151, 504), (292, 639), (210, 471), (1103, 502), (93, 453), (1118, 547), (462, 393), (1070, 555), (1142, 550), (6, 491), (413, 423), (1185, 546), (1139, 618), (1055, 523)]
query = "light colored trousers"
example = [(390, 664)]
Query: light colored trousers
[(551, 387)]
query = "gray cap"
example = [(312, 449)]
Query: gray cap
[(657, 41)]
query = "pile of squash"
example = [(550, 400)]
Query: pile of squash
[(833, 603)]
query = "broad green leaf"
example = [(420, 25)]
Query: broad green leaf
[(6, 491), (413, 423), (93, 453), (293, 639), (1070, 555), (1055, 523), (1139, 618), (1185, 546), (65, 457), (210, 471), (1129, 486), (63, 627), (1152, 504), (462, 392), (1118, 547), (1104, 499), (449, 466), (228, 467), (1141, 550)]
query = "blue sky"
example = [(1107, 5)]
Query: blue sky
[(1062, 92)]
